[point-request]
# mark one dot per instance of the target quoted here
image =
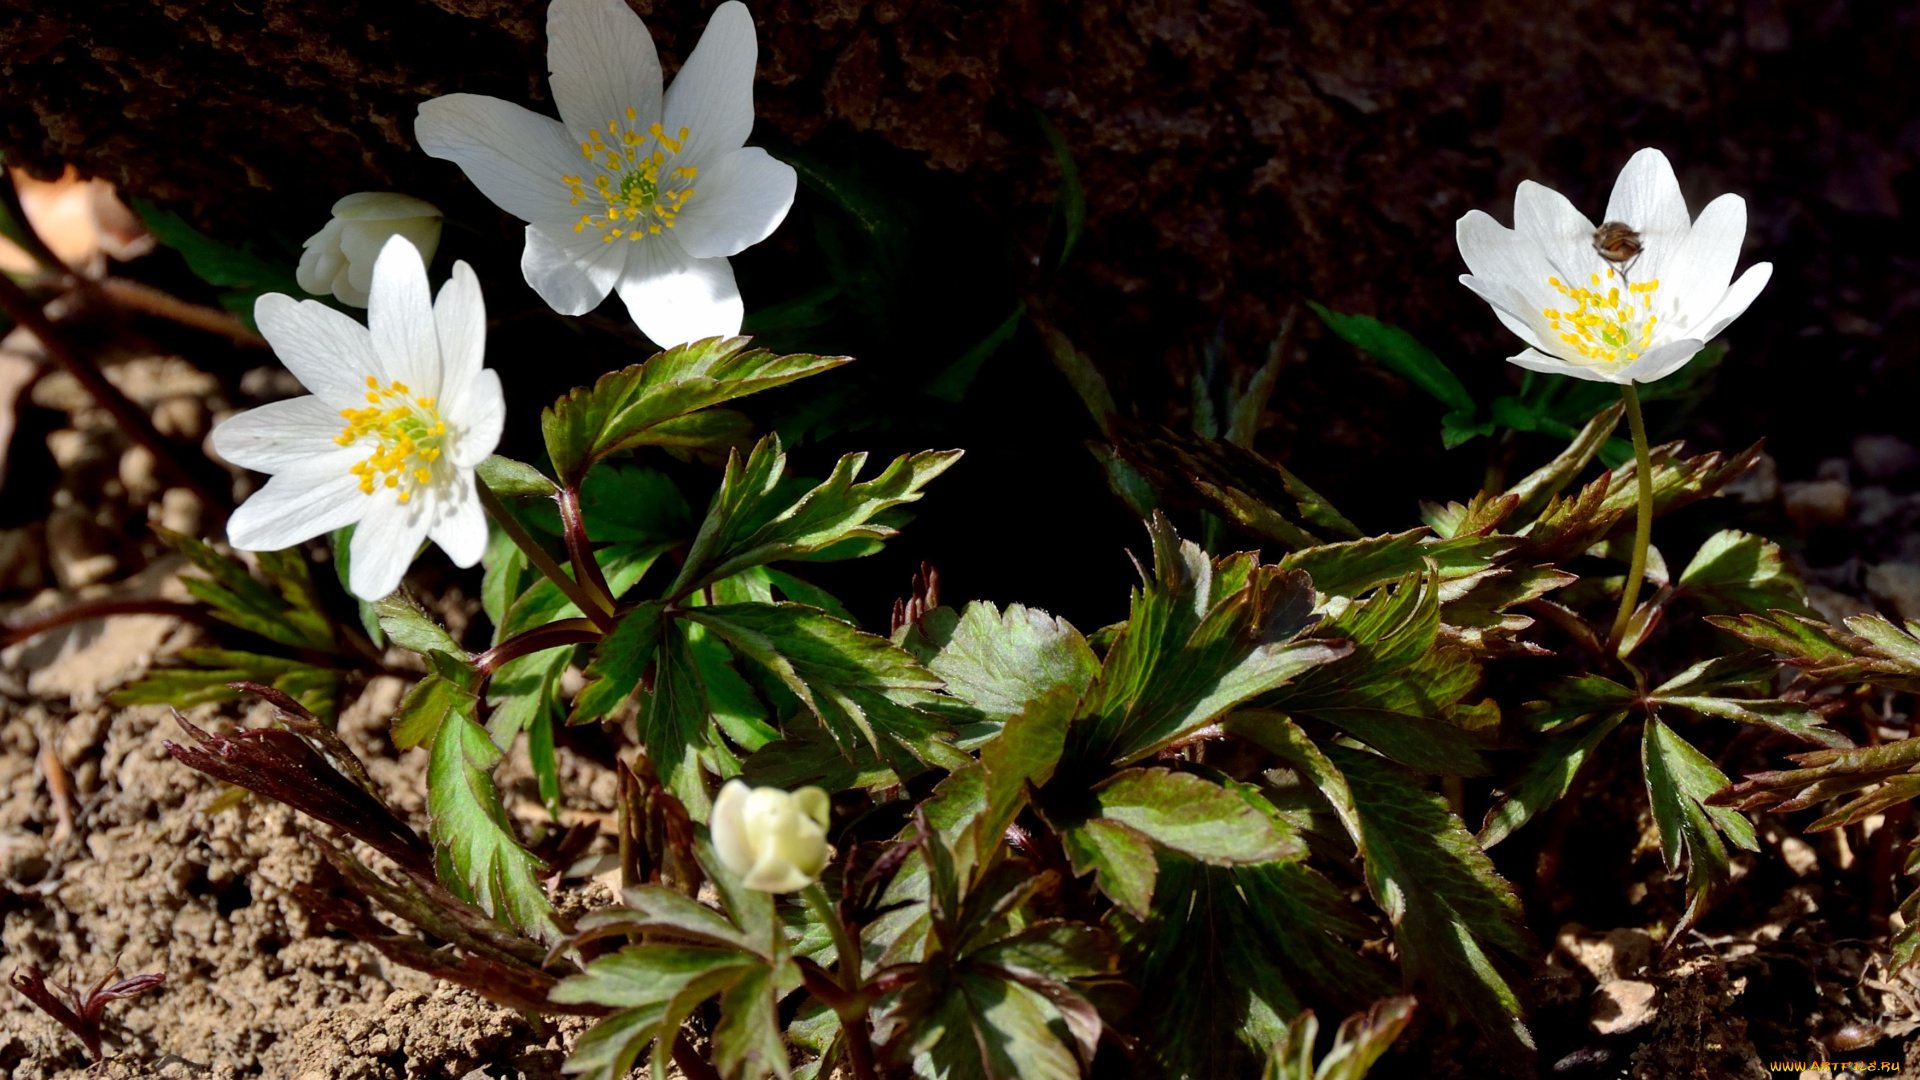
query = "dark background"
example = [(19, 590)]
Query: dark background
[(1235, 157)]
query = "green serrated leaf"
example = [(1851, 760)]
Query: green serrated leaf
[(1194, 817), (999, 662), (637, 406), (476, 854), (1546, 777), (619, 662), (410, 627), (1680, 780), (1452, 914), (509, 478), (749, 524), (1736, 572)]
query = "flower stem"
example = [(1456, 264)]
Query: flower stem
[(602, 616), (551, 636), (1643, 529), (846, 947)]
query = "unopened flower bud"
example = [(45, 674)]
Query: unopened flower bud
[(338, 260), (775, 841)]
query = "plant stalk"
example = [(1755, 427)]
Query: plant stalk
[(551, 636), (1643, 528), (579, 548), (602, 616), (846, 947)]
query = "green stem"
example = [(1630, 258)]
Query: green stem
[(1643, 529), (594, 607), (846, 947)]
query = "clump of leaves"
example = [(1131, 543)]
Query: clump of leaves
[(81, 1012)]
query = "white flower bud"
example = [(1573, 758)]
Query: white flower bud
[(774, 840), (338, 260)]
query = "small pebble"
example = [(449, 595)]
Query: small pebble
[(1883, 457), (1622, 1005), (1813, 504), (181, 511), (1896, 585)]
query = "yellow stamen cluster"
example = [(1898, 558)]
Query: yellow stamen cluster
[(641, 194), (410, 434), (1606, 327)]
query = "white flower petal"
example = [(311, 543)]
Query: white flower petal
[(675, 298), (384, 545), (460, 325), (345, 291), (279, 435), (727, 829), (321, 259), (1561, 233), (482, 414), (603, 63), (1535, 360), (362, 241), (328, 351), (382, 206), (460, 529), (738, 201), (1736, 300), (311, 499), (1647, 197), (1516, 311), (712, 96), (402, 321), (571, 271), (1696, 273), (1661, 361), (513, 155)]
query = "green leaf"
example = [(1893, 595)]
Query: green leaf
[(1452, 914), (619, 662), (284, 608), (410, 627), (1825, 775), (1460, 427), (1739, 572), (746, 1042), (206, 673), (1546, 777), (1400, 353), (1550, 479), (508, 478), (1203, 637), (1121, 860), (1361, 1040), (1246, 489), (953, 381), (864, 689), (505, 574), (1231, 953), (244, 275), (425, 710), (636, 405), (1195, 817), (1680, 779), (1397, 689), (1000, 662), (752, 521), (1020, 758), (1069, 217), (1356, 567), (675, 724), (477, 856)]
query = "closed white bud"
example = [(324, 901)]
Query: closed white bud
[(338, 260), (775, 841)]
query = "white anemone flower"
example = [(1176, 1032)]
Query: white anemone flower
[(632, 190), (401, 413), (338, 260), (1628, 301), (775, 841)]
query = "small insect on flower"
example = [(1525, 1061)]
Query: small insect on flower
[(1617, 242), (401, 413), (632, 190), (1629, 301)]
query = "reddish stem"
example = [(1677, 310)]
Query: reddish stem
[(580, 549), (15, 633), (551, 636)]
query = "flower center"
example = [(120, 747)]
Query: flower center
[(641, 190), (409, 433), (1606, 327)]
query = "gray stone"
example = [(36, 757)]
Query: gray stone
[(1813, 504), (1883, 457), (1896, 585), (1622, 1005)]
